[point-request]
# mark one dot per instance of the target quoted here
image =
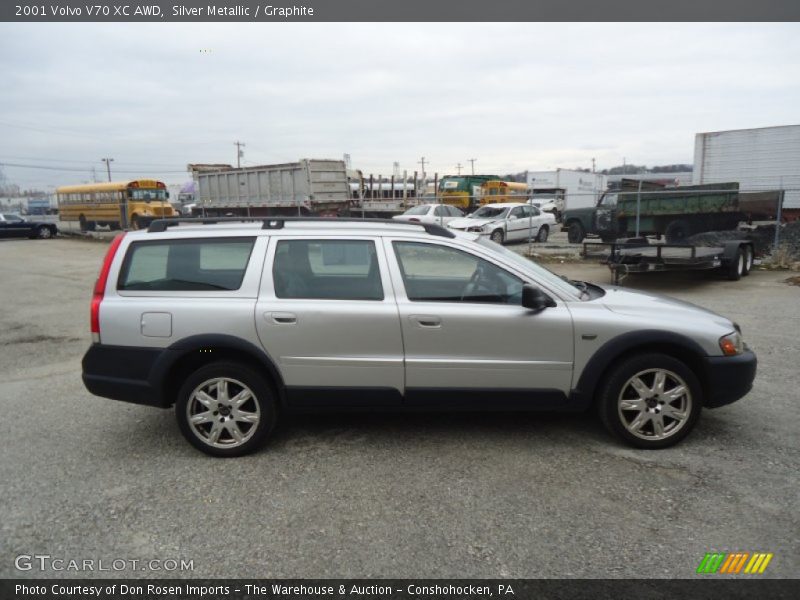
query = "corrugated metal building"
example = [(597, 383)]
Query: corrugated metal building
[(765, 158)]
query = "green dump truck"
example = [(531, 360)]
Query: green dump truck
[(675, 213)]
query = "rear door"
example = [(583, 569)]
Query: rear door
[(327, 316)]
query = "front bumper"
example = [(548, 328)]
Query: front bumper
[(729, 378)]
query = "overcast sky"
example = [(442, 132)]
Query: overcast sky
[(514, 96)]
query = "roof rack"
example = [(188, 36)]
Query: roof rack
[(161, 225)]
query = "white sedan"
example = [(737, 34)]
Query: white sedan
[(508, 222), (440, 214)]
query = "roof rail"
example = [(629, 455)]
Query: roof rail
[(161, 225)]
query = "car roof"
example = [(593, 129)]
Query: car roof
[(218, 227), (505, 204)]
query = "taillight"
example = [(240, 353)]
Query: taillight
[(100, 286)]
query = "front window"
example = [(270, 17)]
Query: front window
[(536, 271), (609, 200), (433, 273), (148, 195), (489, 212)]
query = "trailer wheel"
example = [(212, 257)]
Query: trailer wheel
[(676, 232), (575, 233), (735, 268)]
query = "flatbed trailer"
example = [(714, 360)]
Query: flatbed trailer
[(734, 258)]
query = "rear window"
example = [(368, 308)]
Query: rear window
[(216, 264)]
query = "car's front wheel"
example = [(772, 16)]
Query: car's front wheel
[(226, 409), (650, 401), (497, 236)]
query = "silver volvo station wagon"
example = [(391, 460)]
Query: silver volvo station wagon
[(235, 322)]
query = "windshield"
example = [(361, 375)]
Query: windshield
[(12, 217), (148, 195), (489, 212), (417, 210), (536, 271)]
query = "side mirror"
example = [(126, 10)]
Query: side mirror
[(535, 299)]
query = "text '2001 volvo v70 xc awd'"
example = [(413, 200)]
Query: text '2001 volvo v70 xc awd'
[(235, 322)]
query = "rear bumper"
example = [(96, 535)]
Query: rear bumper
[(122, 373), (729, 378)]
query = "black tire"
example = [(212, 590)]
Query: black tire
[(262, 403), (735, 268), (541, 235), (43, 232), (748, 260), (616, 386), (84, 225), (677, 231), (498, 236), (575, 233)]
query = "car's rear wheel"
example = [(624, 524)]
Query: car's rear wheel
[(44, 233), (541, 236), (650, 401), (226, 409)]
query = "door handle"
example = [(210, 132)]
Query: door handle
[(428, 321), (282, 318)]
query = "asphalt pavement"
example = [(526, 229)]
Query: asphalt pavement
[(385, 496)]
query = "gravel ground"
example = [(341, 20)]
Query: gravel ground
[(386, 496)]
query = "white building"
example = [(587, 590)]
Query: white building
[(766, 158)]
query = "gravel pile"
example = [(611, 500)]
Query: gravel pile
[(762, 237)]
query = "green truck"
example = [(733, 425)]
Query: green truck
[(675, 213)]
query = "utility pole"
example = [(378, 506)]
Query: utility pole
[(458, 168), (593, 165), (108, 162), (239, 153), (421, 161), (94, 175), (472, 162)]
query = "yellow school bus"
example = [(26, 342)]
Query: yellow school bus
[(503, 191), (96, 204)]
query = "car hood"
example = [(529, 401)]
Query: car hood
[(635, 303), (463, 223)]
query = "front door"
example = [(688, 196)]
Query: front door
[(467, 338), (327, 317)]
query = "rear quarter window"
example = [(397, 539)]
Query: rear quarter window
[(216, 264)]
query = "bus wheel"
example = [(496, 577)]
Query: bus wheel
[(82, 223)]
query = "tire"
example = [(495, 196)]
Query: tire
[(217, 435), (735, 268), (677, 231), (634, 416), (748, 260), (541, 235), (497, 236), (83, 223), (44, 233), (575, 233)]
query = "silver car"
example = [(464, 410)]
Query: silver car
[(440, 214), (236, 323), (508, 222)]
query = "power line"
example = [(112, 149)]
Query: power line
[(83, 170)]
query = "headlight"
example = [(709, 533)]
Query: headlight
[(475, 229), (732, 344)]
